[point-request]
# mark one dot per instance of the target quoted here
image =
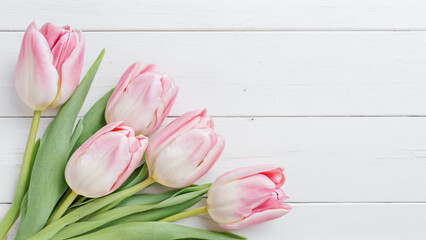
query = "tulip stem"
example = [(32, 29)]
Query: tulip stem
[(89, 208), (24, 179), (185, 214), (80, 200), (63, 207)]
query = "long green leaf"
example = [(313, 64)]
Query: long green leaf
[(34, 154), (169, 202), (142, 199), (157, 214), (157, 231), (81, 228), (140, 204), (47, 180)]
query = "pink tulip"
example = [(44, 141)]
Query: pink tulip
[(247, 196), (142, 99), (105, 160), (184, 151), (49, 65)]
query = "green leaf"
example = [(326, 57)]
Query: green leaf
[(179, 197), (47, 180), (142, 199), (76, 133), (34, 153), (60, 202), (24, 203), (93, 120), (157, 214), (157, 231), (80, 228), (137, 206)]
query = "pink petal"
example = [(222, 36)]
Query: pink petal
[(236, 200), (180, 125), (249, 171), (275, 197), (71, 71), (105, 160), (182, 157), (208, 161), (52, 33), (168, 97), (260, 217), (36, 79), (133, 71), (137, 105), (95, 136), (137, 148), (63, 48), (94, 173), (276, 176)]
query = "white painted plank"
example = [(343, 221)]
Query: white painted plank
[(216, 14), (326, 159), (258, 73), (328, 222), (335, 222)]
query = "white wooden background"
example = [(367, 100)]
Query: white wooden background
[(334, 91)]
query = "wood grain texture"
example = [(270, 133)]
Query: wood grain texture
[(326, 159), (217, 14), (260, 74)]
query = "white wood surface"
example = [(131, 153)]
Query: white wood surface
[(218, 14), (370, 221), (260, 73), (334, 91), (375, 221), (325, 159)]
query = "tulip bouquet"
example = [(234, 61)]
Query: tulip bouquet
[(84, 180)]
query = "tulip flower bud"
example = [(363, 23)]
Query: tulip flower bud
[(105, 160), (247, 196), (184, 150), (49, 65), (142, 99)]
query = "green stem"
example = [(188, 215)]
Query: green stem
[(89, 208), (80, 200), (23, 181), (63, 198), (63, 207), (185, 214)]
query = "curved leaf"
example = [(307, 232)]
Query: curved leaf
[(157, 231), (81, 228), (143, 207)]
